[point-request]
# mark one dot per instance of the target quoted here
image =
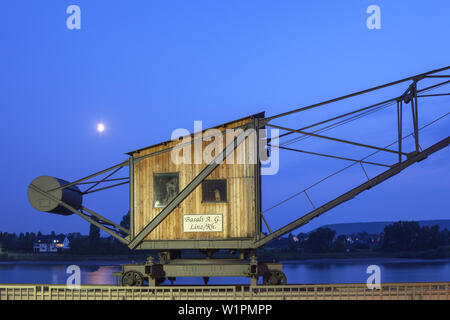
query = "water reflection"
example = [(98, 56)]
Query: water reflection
[(100, 275), (311, 272)]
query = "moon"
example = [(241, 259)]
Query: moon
[(100, 127)]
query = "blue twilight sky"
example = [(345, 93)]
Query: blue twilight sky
[(145, 68)]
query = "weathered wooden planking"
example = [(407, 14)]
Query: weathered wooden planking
[(238, 212)]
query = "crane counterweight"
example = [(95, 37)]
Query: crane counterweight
[(72, 195)]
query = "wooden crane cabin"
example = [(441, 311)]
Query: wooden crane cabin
[(197, 204)]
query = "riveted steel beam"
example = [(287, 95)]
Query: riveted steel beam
[(416, 157), (84, 216)]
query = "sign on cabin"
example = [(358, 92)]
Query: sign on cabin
[(202, 223)]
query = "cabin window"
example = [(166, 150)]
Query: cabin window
[(214, 191), (165, 188)]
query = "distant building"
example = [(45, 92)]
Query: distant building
[(50, 243)]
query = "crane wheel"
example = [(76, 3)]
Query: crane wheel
[(132, 279), (276, 277)]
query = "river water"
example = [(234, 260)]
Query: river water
[(297, 272)]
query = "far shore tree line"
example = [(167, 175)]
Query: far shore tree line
[(91, 244), (402, 236)]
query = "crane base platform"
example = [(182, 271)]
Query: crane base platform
[(153, 273)]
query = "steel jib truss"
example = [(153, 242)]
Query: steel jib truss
[(405, 159)]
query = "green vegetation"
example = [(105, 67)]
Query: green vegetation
[(409, 236), (399, 240), (402, 239), (319, 241), (439, 253)]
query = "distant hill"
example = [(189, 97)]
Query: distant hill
[(377, 227)]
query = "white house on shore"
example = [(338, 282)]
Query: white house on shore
[(50, 243)]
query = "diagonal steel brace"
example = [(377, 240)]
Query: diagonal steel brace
[(189, 188)]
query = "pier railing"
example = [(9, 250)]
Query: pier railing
[(388, 291)]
